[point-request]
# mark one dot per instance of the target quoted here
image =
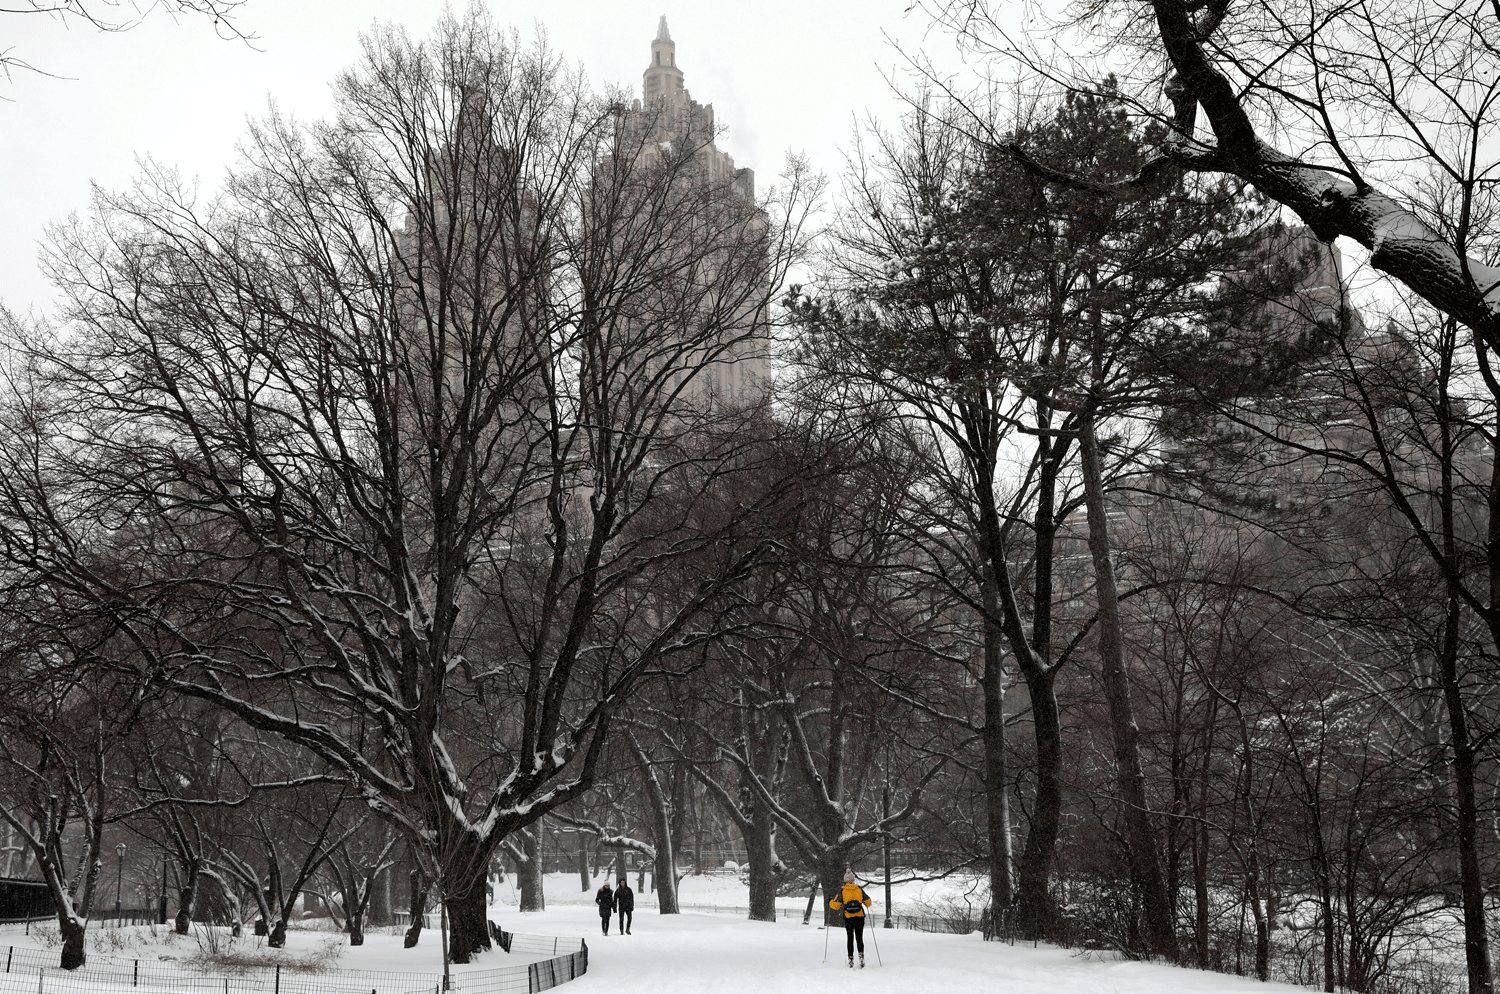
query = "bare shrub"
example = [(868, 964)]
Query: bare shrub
[(230, 960)]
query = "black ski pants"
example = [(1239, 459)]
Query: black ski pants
[(854, 932), (627, 915)]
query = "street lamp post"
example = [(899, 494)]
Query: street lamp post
[(119, 876)]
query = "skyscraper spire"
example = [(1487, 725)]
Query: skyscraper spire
[(663, 79)]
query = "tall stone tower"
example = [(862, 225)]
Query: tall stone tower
[(671, 113), (663, 77), (667, 114)]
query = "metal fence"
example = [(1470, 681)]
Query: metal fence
[(99, 919), (35, 970)]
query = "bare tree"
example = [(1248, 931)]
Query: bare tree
[(279, 848), (61, 725), (122, 15), (353, 868), (999, 311), (1341, 112), (802, 677), (399, 401)]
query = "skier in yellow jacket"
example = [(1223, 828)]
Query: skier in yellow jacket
[(852, 901)]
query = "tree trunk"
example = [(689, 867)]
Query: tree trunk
[(529, 871), (1140, 838), (464, 859), (1470, 876), (695, 805), (664, 863), (1034, 908), (1034, 911), (357, 927), (1356, 974), (1330, 941), (812, 900), (760, 854), (584, 882), (231, 898), (277, 938), (1200, 893), (263, 908), (71, 928), (665, 879), (468, 922), (1471, 880), (831, 878), (996, 778), (417, 907), (1201, 840), (186, 897), (380, 901), (1258, 911)]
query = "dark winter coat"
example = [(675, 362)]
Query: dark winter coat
[(624, 898), (606, 901)]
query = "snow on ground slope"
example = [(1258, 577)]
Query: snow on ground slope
[(694, 953)]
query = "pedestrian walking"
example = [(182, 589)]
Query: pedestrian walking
[(852, 901), (606, 901), (625, 904)]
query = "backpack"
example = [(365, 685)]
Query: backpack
[(857, 905)]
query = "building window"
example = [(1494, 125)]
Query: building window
[(658, 58)]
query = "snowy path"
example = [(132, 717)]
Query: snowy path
[(694, 954)]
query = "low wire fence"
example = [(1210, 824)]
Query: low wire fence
[(35, 970)]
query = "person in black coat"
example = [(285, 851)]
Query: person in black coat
[(606, 901), (625, 902)]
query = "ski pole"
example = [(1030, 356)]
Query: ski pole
[(825, 937), (878, 960)]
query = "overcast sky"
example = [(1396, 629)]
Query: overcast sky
[(782, 75)]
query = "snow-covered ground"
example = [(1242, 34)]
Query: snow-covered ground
[(696, 952), (693, 953), (313, 944)]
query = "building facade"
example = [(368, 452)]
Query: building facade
[(667, 120)]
